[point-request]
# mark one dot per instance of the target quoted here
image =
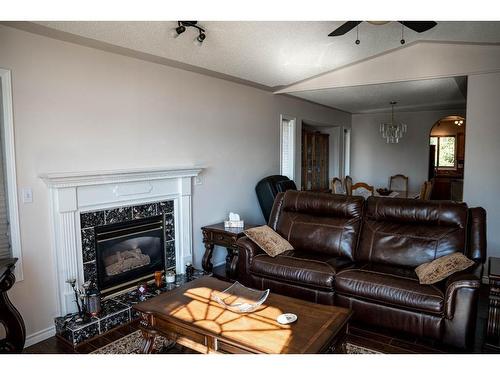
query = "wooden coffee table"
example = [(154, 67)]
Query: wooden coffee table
[(189, 316)]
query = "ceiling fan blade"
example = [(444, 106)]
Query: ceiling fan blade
[(346, 27), (419, 26)]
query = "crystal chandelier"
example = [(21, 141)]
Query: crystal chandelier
[(392, 131)]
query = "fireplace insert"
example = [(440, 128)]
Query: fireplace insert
[(128, 252)]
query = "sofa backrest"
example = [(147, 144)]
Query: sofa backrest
[(318, 222), (409, 232)]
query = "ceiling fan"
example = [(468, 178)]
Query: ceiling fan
[(418, 26)]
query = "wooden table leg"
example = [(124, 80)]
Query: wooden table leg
[(148, 340), (233, 267), (11, 319), (207, 257), (229, 259)]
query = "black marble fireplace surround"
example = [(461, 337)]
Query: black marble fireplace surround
[(92, 219)]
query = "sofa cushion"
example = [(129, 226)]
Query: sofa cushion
[(409, 232), (268, 240), (388, 285), (318, 222), (301, 268), (439, 269)]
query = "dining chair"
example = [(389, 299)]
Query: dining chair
[(348, 185), (362, 189), (426, 190), (338, 186), (398, 182)]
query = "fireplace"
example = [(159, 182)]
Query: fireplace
[(128, 252), (83, 201)]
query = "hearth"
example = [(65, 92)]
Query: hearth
[(129, 252)]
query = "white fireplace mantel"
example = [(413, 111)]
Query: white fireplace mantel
[(73, 193)]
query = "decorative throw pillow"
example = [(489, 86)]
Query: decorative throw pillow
[(439, 269), (268, 240)]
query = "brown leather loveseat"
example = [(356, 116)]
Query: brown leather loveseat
[(362, 254)]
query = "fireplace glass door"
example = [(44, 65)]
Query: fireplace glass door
[(128, 252)]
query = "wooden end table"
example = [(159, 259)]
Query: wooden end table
[(493, 332), (218, 235)]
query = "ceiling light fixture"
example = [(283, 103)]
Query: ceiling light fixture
[(182, 27), (393, 131)]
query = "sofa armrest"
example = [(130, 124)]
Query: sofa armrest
[(469, 278), (247, 250), (461, 298)]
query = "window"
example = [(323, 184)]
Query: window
[(10, 238), (287, 147), (347, 152), (446, 150)]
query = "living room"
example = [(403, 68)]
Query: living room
[(108, 122)]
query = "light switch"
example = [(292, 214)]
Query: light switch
[(27, 195)]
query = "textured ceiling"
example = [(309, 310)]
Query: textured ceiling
[(270, 53), (431, 94)]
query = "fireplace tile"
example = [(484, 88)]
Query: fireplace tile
[(111, 306), (118, 215), (144, 210), (70, 328), (88, 244), (91, 219), (85, 333), (90, 271), (169, 227), (169, 254), (115, 320), (165, 207)]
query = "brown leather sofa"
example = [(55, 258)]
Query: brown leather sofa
[(362, 255)]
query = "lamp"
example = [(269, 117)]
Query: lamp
[(182, 27), (393, 131)]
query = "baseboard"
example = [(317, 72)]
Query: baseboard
[(36, 337)]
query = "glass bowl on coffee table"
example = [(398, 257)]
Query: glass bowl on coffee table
[(240, 299)]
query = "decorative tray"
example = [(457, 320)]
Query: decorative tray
[(239, 298)]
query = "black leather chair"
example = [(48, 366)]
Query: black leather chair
[(268, 188)]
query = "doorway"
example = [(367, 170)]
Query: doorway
[(447, 158), (320, 155)]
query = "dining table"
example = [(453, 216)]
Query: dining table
[(399, 194)]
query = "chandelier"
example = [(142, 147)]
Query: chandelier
[(393, 131)]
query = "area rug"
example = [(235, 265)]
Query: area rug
[(131, 344)]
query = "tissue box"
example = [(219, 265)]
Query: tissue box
[(233, 224)]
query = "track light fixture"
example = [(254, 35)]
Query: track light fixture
[(182, 27)]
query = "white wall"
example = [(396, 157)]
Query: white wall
[(482, 152), (373, 160), (80, 109)]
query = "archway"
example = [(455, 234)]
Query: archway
[(447, 157)]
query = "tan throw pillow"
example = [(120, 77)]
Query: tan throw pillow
[(439, 269), (268, 240)]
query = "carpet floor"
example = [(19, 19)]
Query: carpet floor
[(131, 344)]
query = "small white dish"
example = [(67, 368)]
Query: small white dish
[(286, 318)]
